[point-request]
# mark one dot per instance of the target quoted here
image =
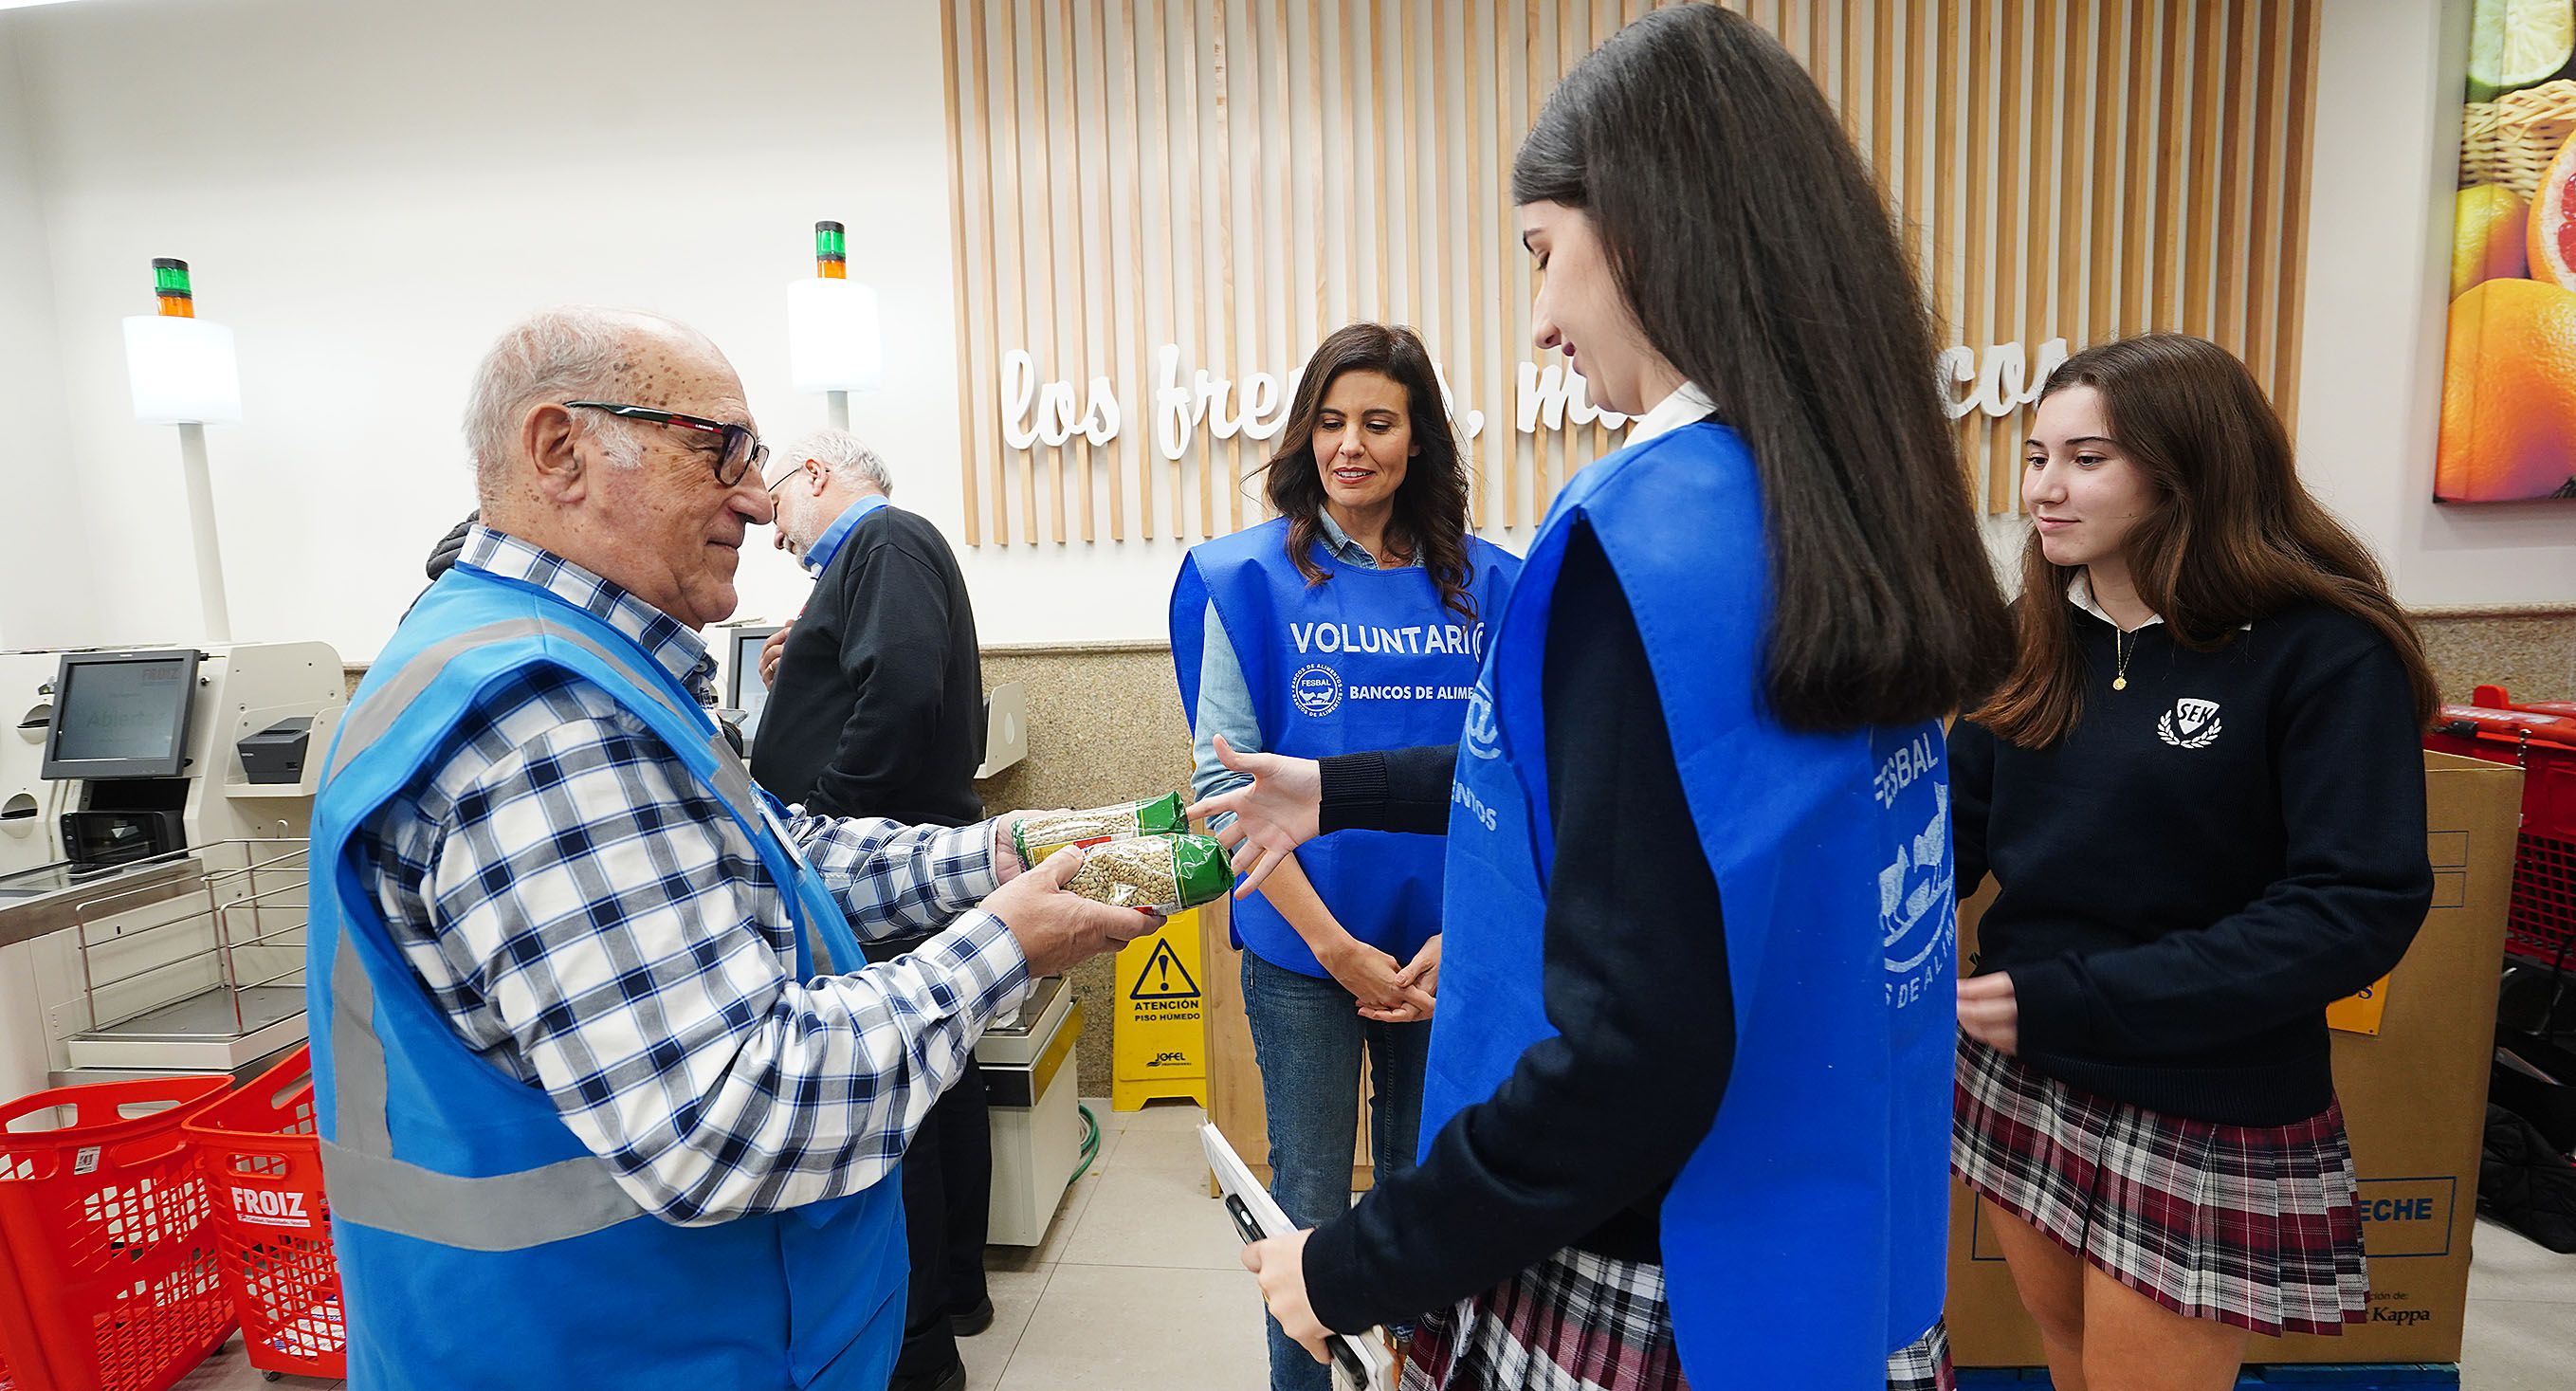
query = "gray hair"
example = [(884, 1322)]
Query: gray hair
[(552, 355), (846, 456)]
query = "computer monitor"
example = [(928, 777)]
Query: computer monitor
[(120, 715), (744, 689)]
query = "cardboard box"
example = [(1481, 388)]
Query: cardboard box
[(2414, 1096)]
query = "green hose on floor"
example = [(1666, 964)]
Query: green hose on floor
[(1090, 1144)]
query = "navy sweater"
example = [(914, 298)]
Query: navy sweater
[(2204, 863), (879, 705)]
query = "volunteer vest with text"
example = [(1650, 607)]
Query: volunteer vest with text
[(480, 1243), (1804, 1239), (1369, 659)]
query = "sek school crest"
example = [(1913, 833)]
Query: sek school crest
[(2191, 724), (1918, 902)]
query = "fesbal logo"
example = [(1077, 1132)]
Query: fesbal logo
[(1317, 689)]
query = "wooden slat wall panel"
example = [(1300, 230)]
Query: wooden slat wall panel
[(1240, 177)]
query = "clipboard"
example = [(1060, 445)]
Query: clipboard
[(1360, 1360)]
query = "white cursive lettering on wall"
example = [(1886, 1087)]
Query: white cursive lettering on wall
[(1035, 413), (1558, 395), (1054, 421), (2004, 383)]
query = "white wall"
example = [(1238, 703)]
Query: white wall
[(39, 488), (370, 190), (2386, 160)]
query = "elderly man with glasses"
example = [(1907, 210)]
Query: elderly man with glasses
[(607, 1091)]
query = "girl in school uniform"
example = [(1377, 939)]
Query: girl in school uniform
[(2201, 796)]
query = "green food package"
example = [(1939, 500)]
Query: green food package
[(1164, 873), (1037, 837)]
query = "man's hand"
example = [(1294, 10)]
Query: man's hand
[(1006, 845), (1280, 1264), (1420, 980), (1989, 1014), (1058, 930), (1275, 814), (769, 654)]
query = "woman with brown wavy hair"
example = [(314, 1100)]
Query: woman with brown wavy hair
[(2201, 797), (1353, 620)]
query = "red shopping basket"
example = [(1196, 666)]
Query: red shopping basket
[(108, 1277), (2540, 918), (264, 1167)]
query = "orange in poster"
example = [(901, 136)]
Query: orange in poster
[(2509, 394), (2487, 236)]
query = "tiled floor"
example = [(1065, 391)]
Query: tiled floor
[(1140, 1283), (1138, 1288), (2522, 1315)]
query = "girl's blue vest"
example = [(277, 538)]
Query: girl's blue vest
[(1804, 1240)]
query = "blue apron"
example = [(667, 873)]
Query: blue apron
[(1804, 1239), (480, 1243), (1369, 659)]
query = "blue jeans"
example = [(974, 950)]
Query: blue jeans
[(1306, 1036)]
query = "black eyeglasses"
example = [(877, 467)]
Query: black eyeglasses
[(743, 450)]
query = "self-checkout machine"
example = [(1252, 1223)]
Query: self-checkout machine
[(30, 804), (153, 917)]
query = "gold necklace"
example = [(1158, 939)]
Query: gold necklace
[(2120, 645)]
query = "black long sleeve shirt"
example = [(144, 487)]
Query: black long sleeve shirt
[(2204, 863), (1579, 1145), (878, 708)]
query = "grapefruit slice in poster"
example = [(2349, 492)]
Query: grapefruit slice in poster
[(2509, 395), (2552, 232)]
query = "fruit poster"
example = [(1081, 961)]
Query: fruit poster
[(2509, 376)]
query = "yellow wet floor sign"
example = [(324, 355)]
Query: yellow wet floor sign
[(2359, 1013), (1159, 1032)]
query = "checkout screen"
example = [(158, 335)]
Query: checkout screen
[(122, 710)]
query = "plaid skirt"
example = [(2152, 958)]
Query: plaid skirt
[(2251, 1226), (1581, 1322)]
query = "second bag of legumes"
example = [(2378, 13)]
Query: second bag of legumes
[(1135, 854)]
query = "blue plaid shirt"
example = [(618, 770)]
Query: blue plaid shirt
[(592, 921)]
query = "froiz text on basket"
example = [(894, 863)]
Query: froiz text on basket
[(270, 1207)]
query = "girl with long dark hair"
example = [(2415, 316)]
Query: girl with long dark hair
[(1353, 620), (2201, 796), (1686, 1114)]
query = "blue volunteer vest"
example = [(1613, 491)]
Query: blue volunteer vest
[(1816, 1210), (480, 1243), (1369, 659)]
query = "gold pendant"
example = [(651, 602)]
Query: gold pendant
[(2119, 683)]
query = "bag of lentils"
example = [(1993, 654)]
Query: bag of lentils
[(1037, 837), (1163, 873)]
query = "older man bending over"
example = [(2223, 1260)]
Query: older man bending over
[(605, 1087)]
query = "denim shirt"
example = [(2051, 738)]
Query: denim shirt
[(1225, 703)]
